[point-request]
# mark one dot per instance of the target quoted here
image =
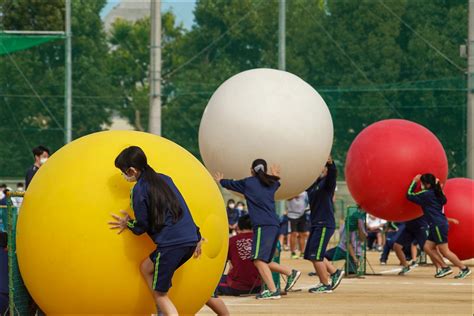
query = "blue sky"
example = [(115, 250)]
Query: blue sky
[(183, 9)]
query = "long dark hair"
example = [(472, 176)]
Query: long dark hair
[(430, 179), (259, 167), (161, 196)]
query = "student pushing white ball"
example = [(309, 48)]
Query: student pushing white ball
[(269, 114)]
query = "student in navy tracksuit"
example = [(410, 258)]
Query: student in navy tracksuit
[(259, 191), (415, 229), (323, 225), (432, 200), (161, 212)]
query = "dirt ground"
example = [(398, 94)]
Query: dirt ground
[(386, 293)]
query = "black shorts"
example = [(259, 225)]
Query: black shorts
[(439, 234), (317, 243), (299, 225), (265, 239), (166, 261), (409, 235)]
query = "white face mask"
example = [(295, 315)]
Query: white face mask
[(231, 205), (129, 178), (2, 195), (240, 208), (20, 189), (43, 160)]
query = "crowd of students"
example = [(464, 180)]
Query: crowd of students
[(160, 211)]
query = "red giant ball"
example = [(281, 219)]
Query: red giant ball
[(382, 161), (460, 206)]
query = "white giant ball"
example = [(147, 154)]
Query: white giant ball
[(269, 114)]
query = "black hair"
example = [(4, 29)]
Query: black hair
[(3, 240), (261, 173), (20, 185), (162, 198), (239, 203), (430, 179), (3, 185), (38, 151), (230, 201), (244, 222)]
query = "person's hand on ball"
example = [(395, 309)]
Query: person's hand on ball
[(198, 251), (218, 176), (275, 170), (121, 222), (453, 220), (417, 178), (330, 160)]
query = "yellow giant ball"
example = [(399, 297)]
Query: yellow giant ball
[(70, 260)]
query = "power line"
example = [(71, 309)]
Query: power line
[(353, 63), (422, 38)]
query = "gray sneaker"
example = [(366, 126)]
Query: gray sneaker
[(443, 272), (267, 295), (292, 278), (321, 288), (463, 273), (336, 278), (405, 270)]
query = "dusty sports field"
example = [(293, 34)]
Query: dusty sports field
[(416, 293)]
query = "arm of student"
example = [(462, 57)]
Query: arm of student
[(139, 225), (453, 220), (234, 185), (331, 178), (415, 197)]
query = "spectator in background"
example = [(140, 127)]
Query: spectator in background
[(243, 277), (354, 247), (284, 231), (232, 216), (3, 273), (18, 200), (374, 229), (240, 206), (298, 223), (41, 155)]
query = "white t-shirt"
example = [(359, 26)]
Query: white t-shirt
[(297, 206), (374, 222)]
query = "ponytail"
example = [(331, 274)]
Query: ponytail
[(161, 196), (434, 183), (259, 167)]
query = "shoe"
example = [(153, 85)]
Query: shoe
[(312, 274), (443, 272), (336, 278), (292, 278), (267, 295), (383, 263), (321, 288), (413, 264), (294, 256), (463, 273), (405, 270)]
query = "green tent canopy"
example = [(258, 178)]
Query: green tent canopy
[(10, 43)]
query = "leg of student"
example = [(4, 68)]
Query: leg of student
[(329, 267), (147, 268), (414, 251), (400, 255), (448, 254), (162, 300), (266, 274), (430, 249), (293, 239), (164, 303), (218, 306), (322, 271)]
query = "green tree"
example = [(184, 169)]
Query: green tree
[(27, 120)]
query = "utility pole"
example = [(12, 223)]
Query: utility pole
[(154, 123), (470, 92), (282, 36), (68, 81)]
